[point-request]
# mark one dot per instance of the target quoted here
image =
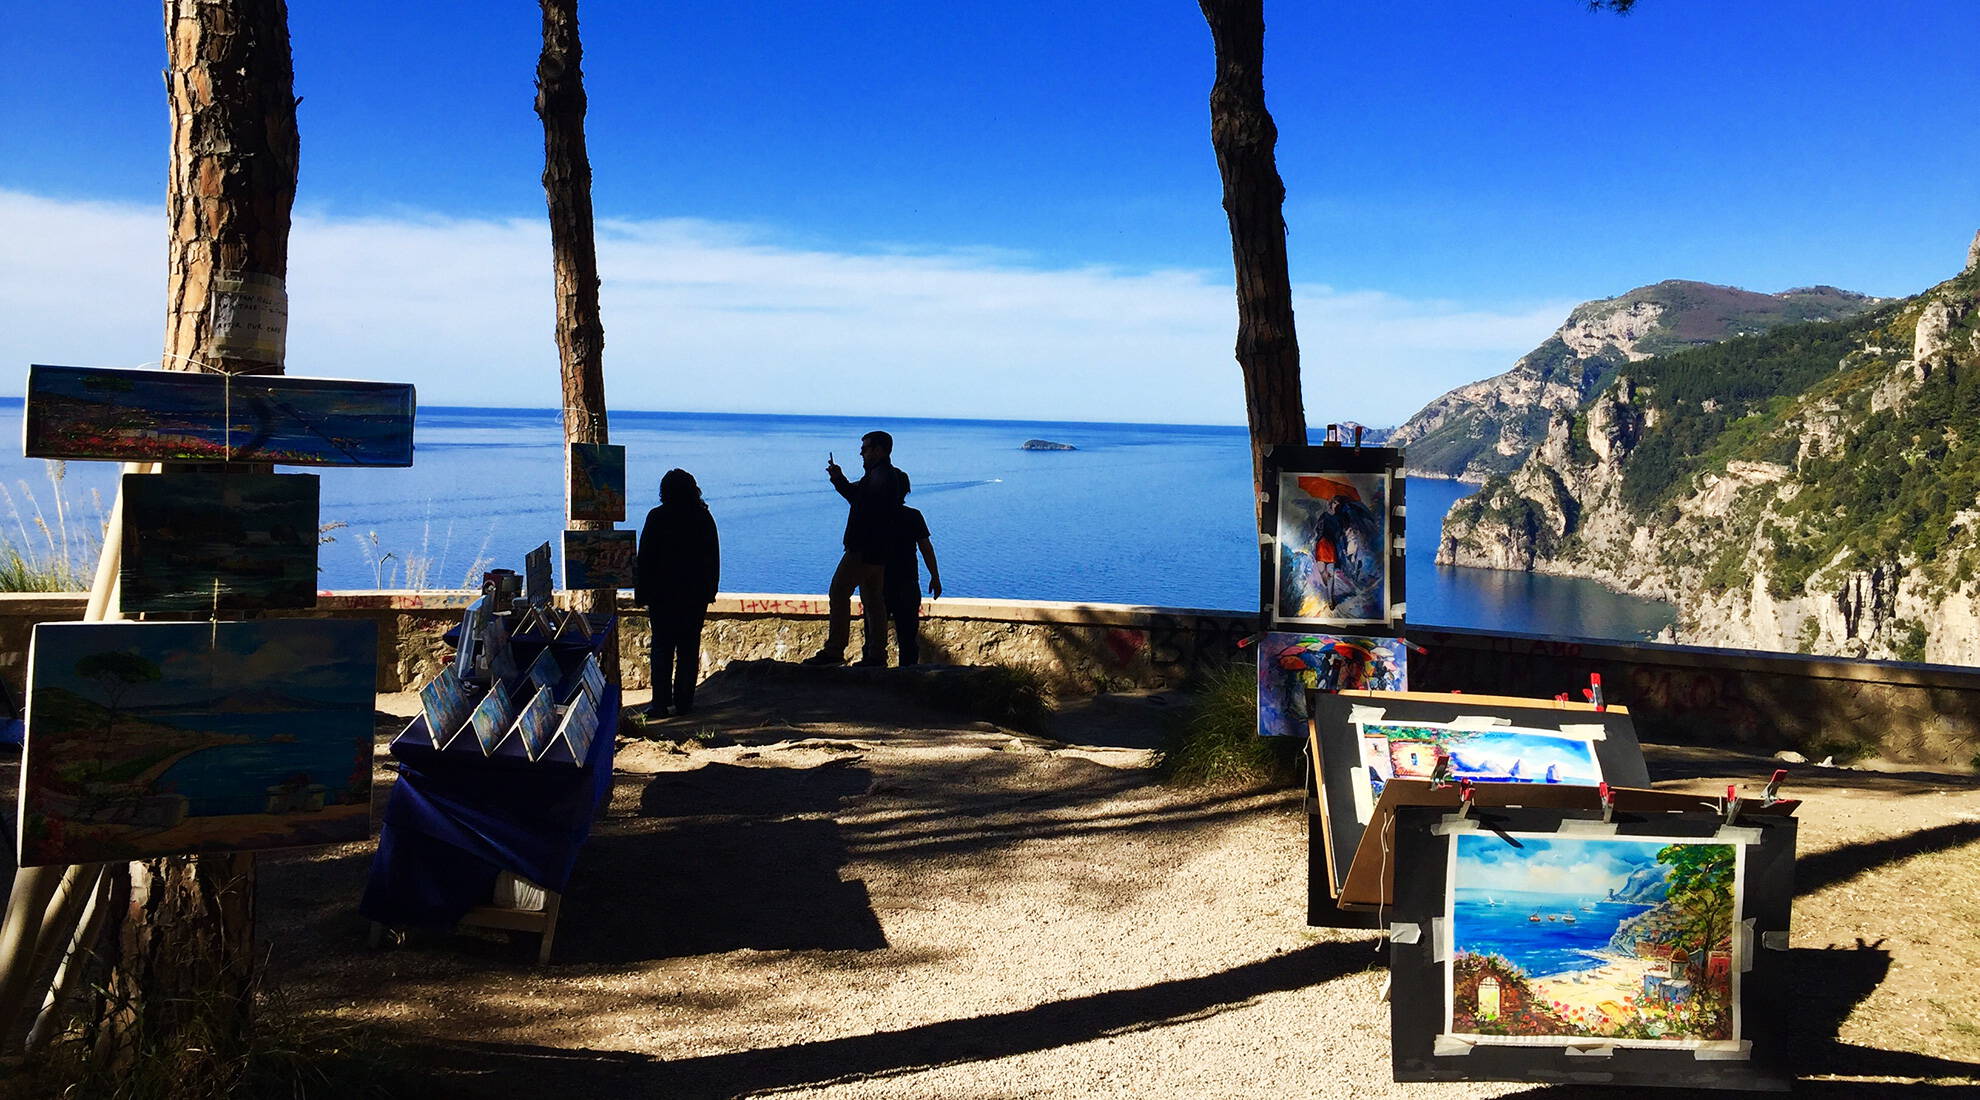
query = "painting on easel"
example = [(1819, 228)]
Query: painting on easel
[(218, 542), (154, 739)]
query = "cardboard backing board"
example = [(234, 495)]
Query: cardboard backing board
[(1683, 924), (1527, 737), (119, 414), (207, 542), (1334, 562)]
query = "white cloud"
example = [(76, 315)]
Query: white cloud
[(704, 316)]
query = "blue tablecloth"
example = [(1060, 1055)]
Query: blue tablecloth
[(457, 819)]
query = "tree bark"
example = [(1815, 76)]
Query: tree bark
[(181, 941), (560, 103), (1243, 135)]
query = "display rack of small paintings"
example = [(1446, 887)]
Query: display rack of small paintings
[(598, 482), (1290, 665), (152, 739), (117, 414), (207, 542), (599, 559), (1361, 741), (546, 713), (1334, 560), (1546, 945)]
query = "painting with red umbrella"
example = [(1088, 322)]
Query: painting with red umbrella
[(1290, 665), (1334, 555)]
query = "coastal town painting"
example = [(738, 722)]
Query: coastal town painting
[(154, 739), (1480, 753), (598, 559), (598, 481), (1290, 665), (1564, 939), (118, 414), (208, 542)]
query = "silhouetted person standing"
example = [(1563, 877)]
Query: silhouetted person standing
[(903, 583), (680, 566), (873, 500)]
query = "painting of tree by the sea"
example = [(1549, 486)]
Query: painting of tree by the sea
[(598, 481), (153, 739), (1566, 939), (218, 542), (1290, 665), (1332, 563), (1482, 754), (117, 414)]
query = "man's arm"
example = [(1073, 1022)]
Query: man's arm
[(934, 572)]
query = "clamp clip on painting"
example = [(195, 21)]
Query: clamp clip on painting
[(1731, 804), (1593, 692), (1772, 794), (1467, 798), (1608, 798), (1440, 773)]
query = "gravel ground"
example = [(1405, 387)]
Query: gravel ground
[(834, 892)]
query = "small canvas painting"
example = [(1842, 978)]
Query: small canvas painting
[(154, 739), (580, 726), (444, 702), (491, 718), (119, 414), (536, 576), (598, 482), (543, 672), (1561, 939), (599, 559), (1332, 560), (1482, 754), (591, 678), (1290, 665), (533, 723), (208, 542)]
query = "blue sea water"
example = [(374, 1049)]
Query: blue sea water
[(1140, 514), (230, 779), (1542, 947)]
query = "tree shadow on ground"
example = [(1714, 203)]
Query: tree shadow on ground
[(1839, 865), (466, 1069)]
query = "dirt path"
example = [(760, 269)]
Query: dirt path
[(916, 905)]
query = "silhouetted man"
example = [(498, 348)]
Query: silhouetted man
[(874, 499)]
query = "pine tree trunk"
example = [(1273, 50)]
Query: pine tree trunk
[(181, 943), (560, 103), (1243, 135)]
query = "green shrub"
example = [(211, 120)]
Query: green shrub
[(1215, 740)]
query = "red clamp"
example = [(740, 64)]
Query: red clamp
[(1608, 798), (1467, 797), (1772, 794)]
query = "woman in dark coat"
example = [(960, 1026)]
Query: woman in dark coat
[(680, 565)]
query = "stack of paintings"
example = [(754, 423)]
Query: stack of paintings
[(1552, 942), (591, 680)]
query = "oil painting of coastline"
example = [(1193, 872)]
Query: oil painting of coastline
[(119, 414), (151, 739), (1290, 665), (598, 559), (1489, 754), (1333, 548), (218, 542), (598, 481), (1570, 939)]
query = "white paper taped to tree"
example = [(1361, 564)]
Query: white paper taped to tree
[(250, 317)]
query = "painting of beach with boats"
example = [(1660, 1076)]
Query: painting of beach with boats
[(150, 739), (1482, 754), (1573, 939)]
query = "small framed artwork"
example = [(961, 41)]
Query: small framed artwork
[(598, 481), (1548, 945), (1334, 560)]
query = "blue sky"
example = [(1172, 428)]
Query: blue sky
[(1006, 209)]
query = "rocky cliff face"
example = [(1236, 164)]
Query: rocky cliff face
[(1490, 427), (1813, 489)]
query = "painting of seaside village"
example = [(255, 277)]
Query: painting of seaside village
[(598, 481), (117, 414), (1482, 754), (1290, 665), (1611, 938), (1333, 548), (150, 739)]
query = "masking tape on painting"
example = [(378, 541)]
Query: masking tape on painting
[(1440, 940), (1739, 834), (1450, 1046), (1578, 827), (1605, 1050), (1361, 715), (1587, 731), (1744, 949), (1364, 795), (1399, 510), (1264, 539), (1774, 941), (1405, 933), (1724, 1050), (1398, 540), (1399, 609), (1479, 722), (1452, 823)]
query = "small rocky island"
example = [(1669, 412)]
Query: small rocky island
[(1046, 445)]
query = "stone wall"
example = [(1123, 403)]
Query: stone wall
[(1922, 714)]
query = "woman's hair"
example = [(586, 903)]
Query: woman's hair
[(677, 486)]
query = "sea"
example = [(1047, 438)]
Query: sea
[(1155, 514), (1499, 923)]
